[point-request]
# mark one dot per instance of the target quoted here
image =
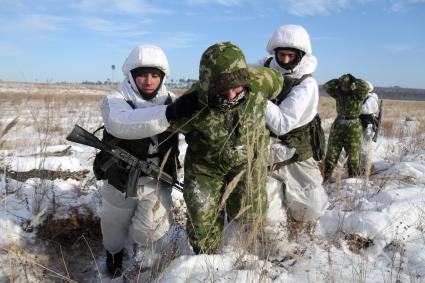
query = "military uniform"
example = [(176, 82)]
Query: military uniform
[(294, 119), (224, 144), (346, 132), (369, 119), (136, 124)]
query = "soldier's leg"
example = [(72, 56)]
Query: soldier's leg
[(304, 195), (277, 226), (333, 150), (366, 150), (353, 141), (151, 220), (249, 195), (247, 205), (202, 194), (115, 218)]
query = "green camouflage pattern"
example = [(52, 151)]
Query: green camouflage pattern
[(223, 66), (346, 131), (222, 144), (348, 104), (345, 134)]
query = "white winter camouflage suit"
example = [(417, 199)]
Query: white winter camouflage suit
[(302, 180), (145, 218), (370, 107)]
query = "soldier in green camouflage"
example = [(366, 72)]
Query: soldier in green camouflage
[(346, 132), (225, 165)]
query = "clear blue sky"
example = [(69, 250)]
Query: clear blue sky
[(382, 41)]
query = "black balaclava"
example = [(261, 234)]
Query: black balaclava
[(144, 70), (289, 66), (222, 103)]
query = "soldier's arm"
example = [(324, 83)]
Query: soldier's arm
[(271, 83), (185, 114), (331, 87), (361, 88), (122, 121)]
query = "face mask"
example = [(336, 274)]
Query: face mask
[(222, 103), (291, 65)]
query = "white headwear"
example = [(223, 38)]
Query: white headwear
[(292, 36), (146, 56), (370, 86)]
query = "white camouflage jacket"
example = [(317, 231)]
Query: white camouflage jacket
[(146, 120), (300, 106)]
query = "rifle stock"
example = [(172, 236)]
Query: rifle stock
[(136, 166), (81, 136)]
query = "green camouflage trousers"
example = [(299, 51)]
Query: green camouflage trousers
[(208, 196), (345, 134)]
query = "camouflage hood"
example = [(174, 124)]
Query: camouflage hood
[(223, 66)]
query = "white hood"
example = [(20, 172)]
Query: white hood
[(145, 55), (292, 36)]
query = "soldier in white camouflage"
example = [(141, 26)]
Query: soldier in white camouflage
[(346, 132), (227, 140), (369, 118), (293, 119)]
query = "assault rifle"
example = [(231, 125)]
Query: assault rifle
[(135, 165), (378, 123)]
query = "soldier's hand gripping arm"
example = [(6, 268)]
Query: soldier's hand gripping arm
[(183, 107)]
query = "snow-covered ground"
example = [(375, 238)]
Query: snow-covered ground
[(373, 230)]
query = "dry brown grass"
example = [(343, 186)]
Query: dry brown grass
[(43, 116), (54, 115), (394, 111), (49, 110), (327, 107)]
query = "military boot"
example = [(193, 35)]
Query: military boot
[(114, 263)]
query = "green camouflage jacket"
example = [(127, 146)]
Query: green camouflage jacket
[(348, 104), (229, 138)]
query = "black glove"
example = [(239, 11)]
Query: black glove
[(182, 107)]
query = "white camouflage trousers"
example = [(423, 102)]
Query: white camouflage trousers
[(301, 181), (142, 219)]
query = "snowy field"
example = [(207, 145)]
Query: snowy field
[(373, 230)]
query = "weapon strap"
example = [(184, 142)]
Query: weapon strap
[(278, 165), (267, 62)]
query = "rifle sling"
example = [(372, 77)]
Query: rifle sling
[(278, 165)]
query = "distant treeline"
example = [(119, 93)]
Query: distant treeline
[(396, 93)]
